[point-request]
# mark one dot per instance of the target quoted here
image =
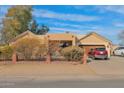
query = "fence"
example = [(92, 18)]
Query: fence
[(55, 55), (33, 58)]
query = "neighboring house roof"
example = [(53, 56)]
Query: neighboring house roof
[(100, 36)]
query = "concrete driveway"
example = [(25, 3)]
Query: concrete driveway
[(114, 66)]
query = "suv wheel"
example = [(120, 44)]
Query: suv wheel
[(114, 54), (93, 58), (122, 54)]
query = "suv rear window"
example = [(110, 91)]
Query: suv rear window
[(100, 49)]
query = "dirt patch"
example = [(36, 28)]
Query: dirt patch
[(40, 69)]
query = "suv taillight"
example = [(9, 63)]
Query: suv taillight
[(106, 52)]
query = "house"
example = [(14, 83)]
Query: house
[(89, 41)]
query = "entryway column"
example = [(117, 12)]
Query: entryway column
[(48, 59), (84, 60), (14, 58)]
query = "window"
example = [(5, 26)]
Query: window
[(100, 49), (64, 44)]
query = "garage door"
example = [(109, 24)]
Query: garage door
[(89, 47)]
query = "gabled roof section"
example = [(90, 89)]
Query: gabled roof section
[(80, 36), (22, 34), (100, 36)]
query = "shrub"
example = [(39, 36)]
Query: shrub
[(41, 51), (54, 48), (72, 53), (28, 48), (6, 52)]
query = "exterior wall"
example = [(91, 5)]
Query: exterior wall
[(61, 37), (92, 39), (13, 42)]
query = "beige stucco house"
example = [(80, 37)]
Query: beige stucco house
[(88, 41)]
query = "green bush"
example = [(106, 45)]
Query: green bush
[(72, 53), (6, 52)]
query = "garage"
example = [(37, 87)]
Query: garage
[(87, 48), (94, 40)]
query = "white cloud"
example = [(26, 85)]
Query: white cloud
[(1, 18), (71, 25), (64, 29), (119, 24), (103, 8), (67, 25), (77, 31), (1, 21), (77, 26), (79, 7), (63, 16), (118, 9), (112, 8)]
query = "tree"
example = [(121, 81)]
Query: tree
[(0, 32), (16, 21), (43, 29), (6, 52), (35, 28), (121, 38)]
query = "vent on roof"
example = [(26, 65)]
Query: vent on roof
[(67, 32)]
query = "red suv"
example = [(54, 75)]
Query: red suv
[(100, 53)]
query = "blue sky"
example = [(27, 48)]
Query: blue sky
[(105, 20)]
